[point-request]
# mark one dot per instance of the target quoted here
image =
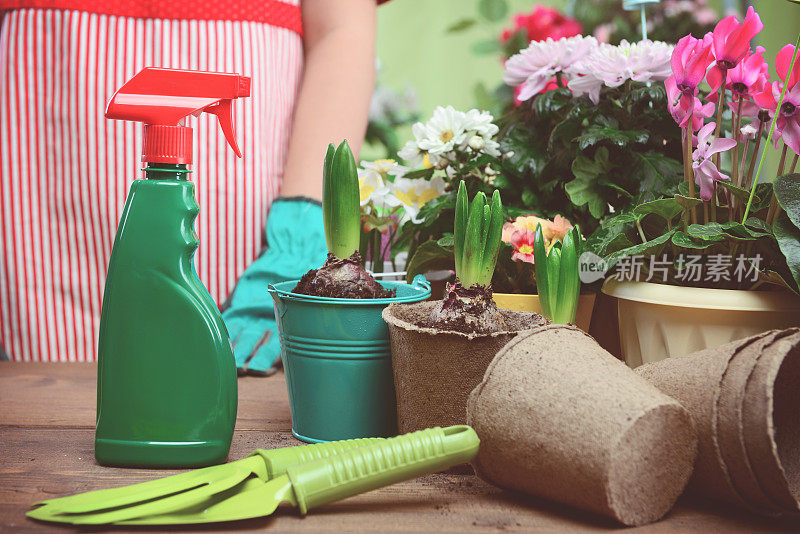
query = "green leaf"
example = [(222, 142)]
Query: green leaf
[(787, 190), (460, 25), (764, 196), (716, 232), (528, 197), (647, 93), (608, 239), (758, 224), (659, 172), (788, 237), (493, 10), (683, 240), (485, 47), (707, 232), (447, 240), (738, 192), (420, 173), (553, 277), (654, 246), (495, 233), (429, 256), (595, 134), (585, 188), (551, 102), (473, 242), (460, 225), (341, 210), (569, 285), (667, 208), (540, 266), (688, 203)]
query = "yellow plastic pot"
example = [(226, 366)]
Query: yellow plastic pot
[(658, 321), (520, 302)]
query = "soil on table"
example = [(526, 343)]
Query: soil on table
[(342, 278), (468, 310)]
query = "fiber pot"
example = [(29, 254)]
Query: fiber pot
[(435, 370), (658, 321), (743, 397), (561, 418), (521, 302), (337, 361)]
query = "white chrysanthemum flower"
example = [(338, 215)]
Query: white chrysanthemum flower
[(611, 66), (444, 131), (536, 65), (447, 132), (480, 122)]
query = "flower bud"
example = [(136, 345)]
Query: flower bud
[(476, 142), (749, 131)]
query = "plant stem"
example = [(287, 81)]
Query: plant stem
[(771, 129), (705, 211), (714, 202), (774, 207), (740, 181), (720, 109), (747, 179), (375, 252), (641, 231), (687, 165), (736, 134)]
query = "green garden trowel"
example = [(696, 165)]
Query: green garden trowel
[(305, 476)]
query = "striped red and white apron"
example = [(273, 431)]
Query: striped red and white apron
[(65, 170)]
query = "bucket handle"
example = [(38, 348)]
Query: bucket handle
[(421, 282)]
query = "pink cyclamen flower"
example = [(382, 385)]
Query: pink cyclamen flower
[(787, 124), (681, 114), (743, 80), (690, 59), (782, 61), (731, 40), (705, 172)]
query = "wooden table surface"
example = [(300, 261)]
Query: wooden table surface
[(47, 414)]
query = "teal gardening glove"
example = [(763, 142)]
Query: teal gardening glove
[(295, 244)]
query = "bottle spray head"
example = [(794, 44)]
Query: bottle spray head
[(163, 98)]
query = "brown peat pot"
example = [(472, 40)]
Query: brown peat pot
[(435, 370)]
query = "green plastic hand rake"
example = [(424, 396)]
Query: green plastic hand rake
[(313, 482)]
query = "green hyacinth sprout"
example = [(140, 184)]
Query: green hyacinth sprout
[(478, 229), (557, 277), (341, 211)]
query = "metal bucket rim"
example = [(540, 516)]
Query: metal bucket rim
[(420, 284)]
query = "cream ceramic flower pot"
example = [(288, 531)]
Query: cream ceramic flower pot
[(519, 302), (658, 321)]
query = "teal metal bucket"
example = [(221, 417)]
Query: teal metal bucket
[(338, 362)]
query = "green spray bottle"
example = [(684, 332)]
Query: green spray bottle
[(166, 379)]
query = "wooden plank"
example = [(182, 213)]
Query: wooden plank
[(63, 395), (45, 463)]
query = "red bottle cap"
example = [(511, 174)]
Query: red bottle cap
[(163, 98)]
